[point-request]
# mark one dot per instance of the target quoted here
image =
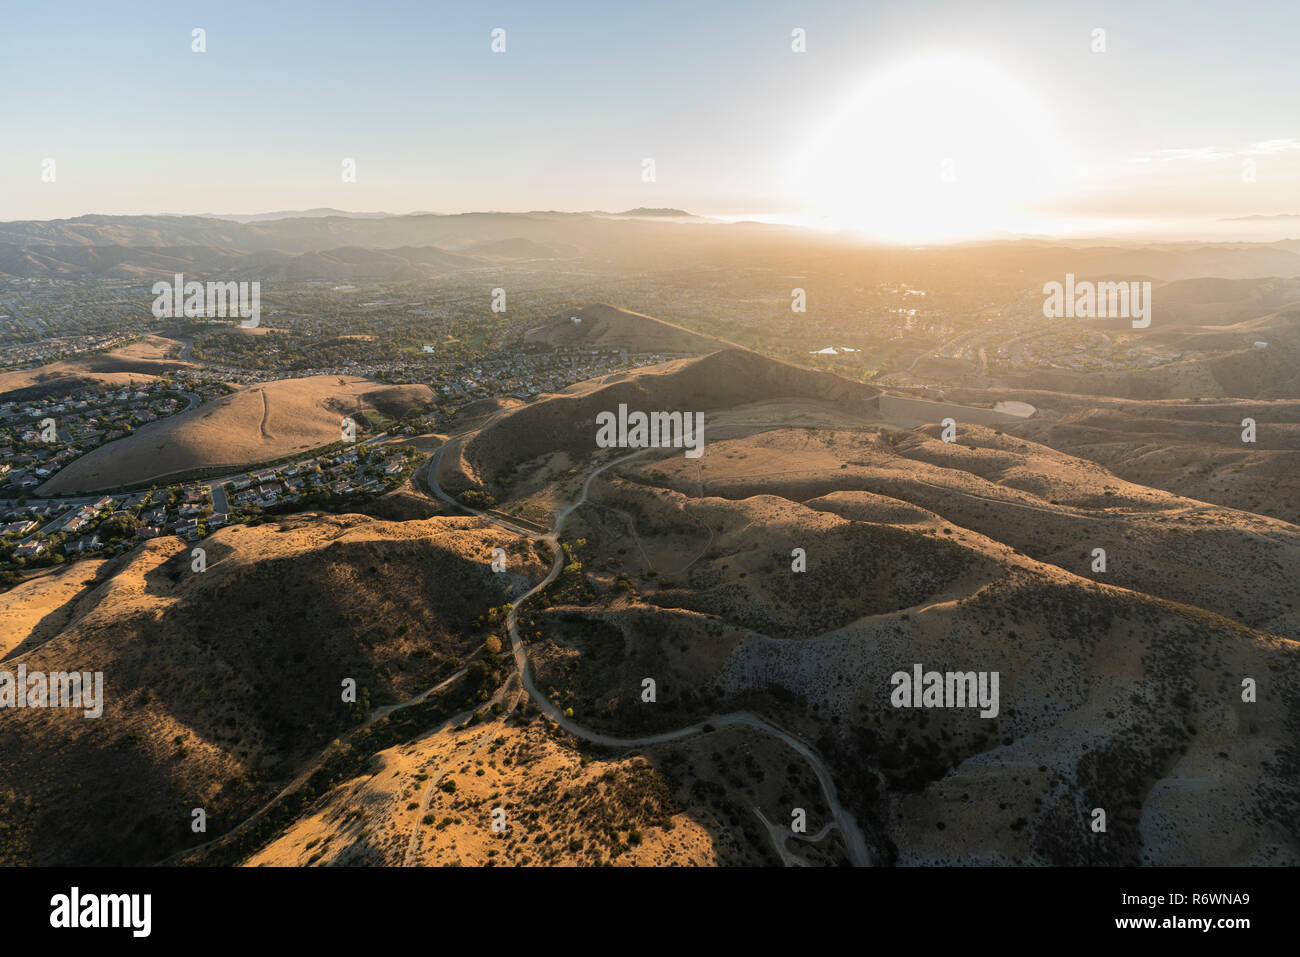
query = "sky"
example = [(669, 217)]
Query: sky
[(903, 119)]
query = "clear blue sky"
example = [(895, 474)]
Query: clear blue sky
[(136, 122)]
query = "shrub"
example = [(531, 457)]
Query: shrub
[(476, 498)]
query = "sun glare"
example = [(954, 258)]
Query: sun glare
[(939, 148)]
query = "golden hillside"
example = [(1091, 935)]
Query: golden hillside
[(258, 423)]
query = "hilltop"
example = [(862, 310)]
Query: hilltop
[(564, 425)]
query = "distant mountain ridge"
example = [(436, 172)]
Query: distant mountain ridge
[(1247, 219), (154, 246), (660, 211), (317, 213)]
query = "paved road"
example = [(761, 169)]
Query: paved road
[(167, 477), (17, 314), (779, 832)]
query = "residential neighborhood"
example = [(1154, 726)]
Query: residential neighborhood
[(40, 436), (51, 532)]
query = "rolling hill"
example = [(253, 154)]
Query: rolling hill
[(609, 327), (256, 424), (142, 361), (220, 686), (771, 591)]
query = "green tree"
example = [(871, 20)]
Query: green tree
[(118, 526)]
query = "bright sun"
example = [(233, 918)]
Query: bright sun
[(944, 147)]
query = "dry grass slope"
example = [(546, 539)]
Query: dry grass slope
[(256, 424), (220, 685)]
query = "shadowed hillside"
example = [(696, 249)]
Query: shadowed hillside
[(220, 684)]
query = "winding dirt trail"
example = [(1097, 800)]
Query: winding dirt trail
[(854, 841)]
